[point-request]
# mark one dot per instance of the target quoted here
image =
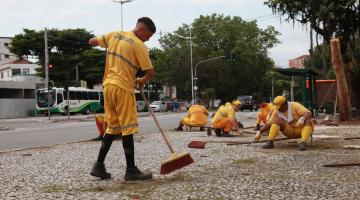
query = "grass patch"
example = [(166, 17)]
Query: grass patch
[(54, 188), (248, 161)]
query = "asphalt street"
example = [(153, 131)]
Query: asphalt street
[(39, 131)]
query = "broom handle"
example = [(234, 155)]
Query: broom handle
[(156, 121)]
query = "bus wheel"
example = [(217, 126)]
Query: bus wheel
[(86, 111)]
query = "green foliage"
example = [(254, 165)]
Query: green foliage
[(67, 48), (212, 36)]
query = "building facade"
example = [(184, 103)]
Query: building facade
[(18, 83), (298, 62)]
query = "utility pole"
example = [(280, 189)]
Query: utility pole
[(191, 68), (121, 7), (77, 72), (47, 70)]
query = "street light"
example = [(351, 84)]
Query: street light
[(121, 5), (191, 61), (202, 61)]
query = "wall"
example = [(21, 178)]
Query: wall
[(13, 108)]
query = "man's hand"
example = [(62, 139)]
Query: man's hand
[(257, 136), (300, 122), (140, 82), (257, 127)]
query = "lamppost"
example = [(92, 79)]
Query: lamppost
[(191, 61), (202, 61), (121, 5)]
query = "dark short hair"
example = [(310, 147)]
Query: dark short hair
[(148, 22)]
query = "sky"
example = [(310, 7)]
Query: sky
[(102, 16)]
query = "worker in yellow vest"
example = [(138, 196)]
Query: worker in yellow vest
[(224, 119), (292, 119), (197, 116)]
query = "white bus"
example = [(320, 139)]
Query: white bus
[(81, 100)]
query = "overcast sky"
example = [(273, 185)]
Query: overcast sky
[(102, 16)]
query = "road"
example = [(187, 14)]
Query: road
[(38, 131)]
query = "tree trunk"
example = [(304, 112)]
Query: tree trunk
[(342, 87)]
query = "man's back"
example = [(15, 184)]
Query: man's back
[(198, 114)]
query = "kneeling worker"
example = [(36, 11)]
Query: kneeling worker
[(292, 119), (265, 109), (225, 120), (197, 116)]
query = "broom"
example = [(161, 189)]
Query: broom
[(176, 160)]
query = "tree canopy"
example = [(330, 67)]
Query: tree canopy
[(67, 48), (243, 43)]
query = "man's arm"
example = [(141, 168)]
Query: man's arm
[(94, 41), (149, 75)]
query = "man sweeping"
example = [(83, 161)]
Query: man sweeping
[(126, 53), (197, 116), (292, 119), (263, 113), (224, 119)]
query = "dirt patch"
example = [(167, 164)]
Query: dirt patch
[(142, 189)]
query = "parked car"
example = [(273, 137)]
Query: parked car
[(158, 106), (247, 103)]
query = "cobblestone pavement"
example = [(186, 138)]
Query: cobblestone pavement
[(220, 171)]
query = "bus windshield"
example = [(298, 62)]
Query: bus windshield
[(42, 99)]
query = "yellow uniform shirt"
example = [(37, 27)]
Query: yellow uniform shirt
[(125, 54), (262, 115), (297, 110), (224, 112), (198, 115)]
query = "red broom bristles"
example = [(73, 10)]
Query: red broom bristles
[(175, 162), (197, 144)]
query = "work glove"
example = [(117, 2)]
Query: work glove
[(300, 122), (257, 136), (257, 127), (140, 82)]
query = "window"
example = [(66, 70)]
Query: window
[(79, 95), (6, 44), (85, 95), (72, 95), (59, 98), (7, 56), (15, 71), (2, 75), (26, 71)]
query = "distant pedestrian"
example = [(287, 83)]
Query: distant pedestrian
[(126, 53)]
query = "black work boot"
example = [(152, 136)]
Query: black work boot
[(99, 170), (202, 128), (134, 174), (268, 145), (302, 146), (218, 132), (179, 128), (226, 134)]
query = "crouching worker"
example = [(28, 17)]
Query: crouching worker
[(292, 119), (224, 119), (262, 116), (126, 54), (197, 116)]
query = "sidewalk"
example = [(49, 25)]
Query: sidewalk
[(219, 172)]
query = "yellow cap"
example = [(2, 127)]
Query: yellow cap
[(227, 104), (236, 103), (278, 101)]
